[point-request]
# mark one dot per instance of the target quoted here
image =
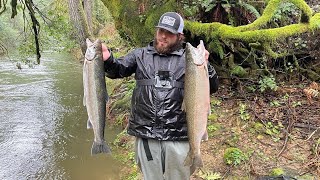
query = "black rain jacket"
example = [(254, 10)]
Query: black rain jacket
[(155, 112)]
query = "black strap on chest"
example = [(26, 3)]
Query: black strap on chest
[(151, 82), (154, 82)]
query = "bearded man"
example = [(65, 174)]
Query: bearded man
[(156, 119)]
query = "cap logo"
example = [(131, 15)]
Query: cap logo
[(168, 20)]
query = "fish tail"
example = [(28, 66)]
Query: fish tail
[(197, 162), (194, 162), (100, 148), (205, 136)]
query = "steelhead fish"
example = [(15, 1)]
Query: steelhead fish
[(95, 95), (196, 102)]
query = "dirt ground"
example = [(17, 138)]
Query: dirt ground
[(275, 130)]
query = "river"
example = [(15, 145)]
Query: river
[(43, 131)]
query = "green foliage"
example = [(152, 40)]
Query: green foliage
[(212, 129), (244, 115), (215, 102), (251, 88), (234, 156), (190, 8), (7, 33), (212, 117), (131, 84), (135, 26), (234, 138), (277, 172), (216, 47), (209, 175), (250, 8), (122, 104), (54, 30), (258, 127), (295, 104), (275, 103), (57, 32), (239, 71), (100, 13), (285, 13), (120, 119), (273, 130), (207, 4), (117, 140), (267, 83), (26, 48)]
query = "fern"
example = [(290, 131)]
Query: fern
[(249, 8), (210, 175)]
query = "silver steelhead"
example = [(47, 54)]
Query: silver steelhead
[(95, 95), (196, 102)]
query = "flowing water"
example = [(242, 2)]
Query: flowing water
[(43, 131)]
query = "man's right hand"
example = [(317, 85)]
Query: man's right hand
[(105, 52)]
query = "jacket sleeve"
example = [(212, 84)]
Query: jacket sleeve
[(120, 67), (213, 79)]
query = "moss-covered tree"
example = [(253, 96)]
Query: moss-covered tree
[(237, 48)]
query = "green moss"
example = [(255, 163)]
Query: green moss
[(277, 172), (258, 127), (251, 32), (303, 6), (212, 117), (239, 71), (264, 19), (202, 28), (315, 22)]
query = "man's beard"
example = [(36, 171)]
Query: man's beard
[(168, 49)]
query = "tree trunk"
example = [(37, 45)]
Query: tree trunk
[(79, 23), (88, 6)]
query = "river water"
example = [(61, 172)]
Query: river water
[(43, 131)]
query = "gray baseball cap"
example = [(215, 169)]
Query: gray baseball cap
[(172, 22)]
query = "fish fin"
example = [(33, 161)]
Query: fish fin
[(97, 41), (205, 136), (88, 41), (100, 148), (202, 48), (194, 163), (197, 161), (183, 106), (89, 124), (201, 51)]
